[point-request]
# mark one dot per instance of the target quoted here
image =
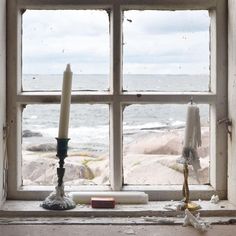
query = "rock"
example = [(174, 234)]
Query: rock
[(158, 144), (43, 147), (77, 171), (167, 143), (149, 159), (42, 170), (28, 133)]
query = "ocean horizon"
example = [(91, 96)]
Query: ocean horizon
[(87, 119)]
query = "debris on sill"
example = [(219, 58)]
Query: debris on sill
[(215, 199), (129, 231), (161, 221), (196, 222), (174, 206), (232, 221)]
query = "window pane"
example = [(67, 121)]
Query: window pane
[(53, 38), (166, 50), (87, 161), (153, 140)]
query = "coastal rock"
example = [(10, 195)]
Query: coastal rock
[(158, 173), (43, 147), (41, 170), (149, 159), (167, 143), (77, 171), (99, 166), (35, 170), (28, 133)]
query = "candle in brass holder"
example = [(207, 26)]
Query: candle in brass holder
[(190, 156), (58, 200)]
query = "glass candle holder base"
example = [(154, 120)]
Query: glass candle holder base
[(58, 200)]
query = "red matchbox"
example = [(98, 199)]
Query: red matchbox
[(102, 202)]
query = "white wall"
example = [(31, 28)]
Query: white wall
[(2, 88), (232, 99)]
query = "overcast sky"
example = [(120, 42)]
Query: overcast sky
[(155, 42)]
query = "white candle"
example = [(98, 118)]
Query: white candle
[(65, 103), (192, 137), (120, 197)]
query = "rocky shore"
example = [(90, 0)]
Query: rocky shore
[(150, 159)]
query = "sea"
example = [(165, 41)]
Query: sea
[(89, 123)]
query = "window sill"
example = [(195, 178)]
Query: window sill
[(155, 193), (152, 209)]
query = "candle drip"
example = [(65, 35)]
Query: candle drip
[(193, 127), (189, 155), (192, 139)]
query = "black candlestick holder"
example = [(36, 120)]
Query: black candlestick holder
[(58, 200)]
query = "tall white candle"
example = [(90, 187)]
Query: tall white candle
[(192, 137), (65, 103)]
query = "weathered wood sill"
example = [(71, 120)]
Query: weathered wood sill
[(152, 209)]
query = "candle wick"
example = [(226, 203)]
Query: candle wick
[(191, 100), (68, 69)]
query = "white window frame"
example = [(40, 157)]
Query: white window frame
[(116, 98)]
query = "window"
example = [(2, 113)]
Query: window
[(120, 93)]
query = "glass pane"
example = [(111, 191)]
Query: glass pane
[(87, 161), (53, 38), (153, 141), (166, 50)]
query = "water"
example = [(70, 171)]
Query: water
[(89, 124), (132, 82)]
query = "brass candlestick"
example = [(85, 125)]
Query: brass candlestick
[(188, 155), (58, 200)]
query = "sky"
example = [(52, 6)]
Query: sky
[(154, 42)]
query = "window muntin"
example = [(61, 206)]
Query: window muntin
[(216, 98)]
